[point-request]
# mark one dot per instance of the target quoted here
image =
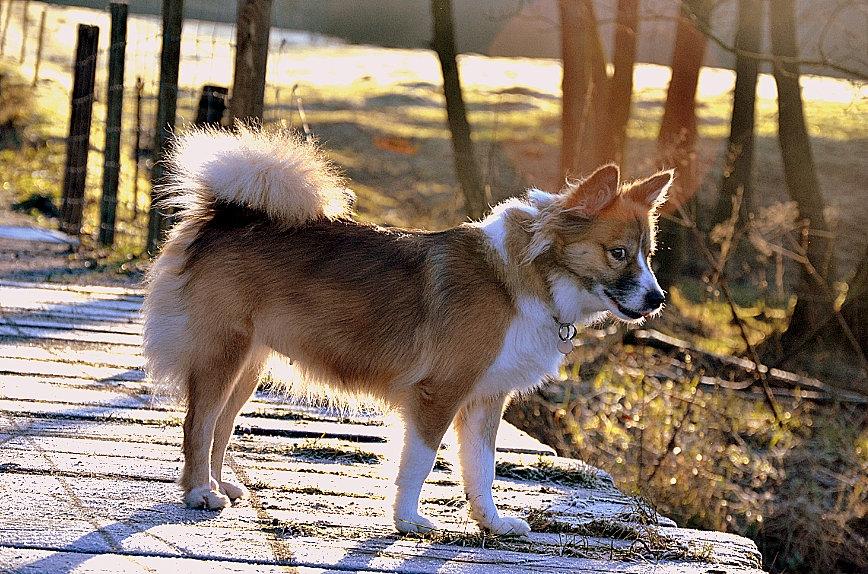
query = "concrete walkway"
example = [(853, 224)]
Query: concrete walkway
[(88, 460)]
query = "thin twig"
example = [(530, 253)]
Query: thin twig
[(836, 314), (671, 444), (759, 375), (776, 60)]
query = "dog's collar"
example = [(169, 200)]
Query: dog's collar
[(566, 334)]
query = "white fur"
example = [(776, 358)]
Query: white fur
[(234, 490), (494, 228), (529, 351), (539, 198), (647, 282), (476, 452), (528, 354), (274, 171), (635, 301), (495, 225), (574, 304), (165, 329), (417, 460), (207, 496)]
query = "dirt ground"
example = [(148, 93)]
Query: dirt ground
[(51, 262)]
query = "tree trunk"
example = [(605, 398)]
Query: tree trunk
[(814, 302), (583, 87), (677, 137), (738, 163), (620, 88), (466, 169), (573, 87), (251, 59), (678, 128), (598, 118)]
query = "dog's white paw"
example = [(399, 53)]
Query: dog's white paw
[(506, 526), (414, 524), (206, 497), (234, 490)]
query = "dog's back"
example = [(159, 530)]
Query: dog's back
[(265, 254)]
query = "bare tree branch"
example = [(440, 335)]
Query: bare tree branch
[(779, 61)]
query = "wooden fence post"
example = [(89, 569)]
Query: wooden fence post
[(112, 153), (5, 27), (78, 141), (251, 57), (25, 21), (167, 103), (212, 106), (39, 44)]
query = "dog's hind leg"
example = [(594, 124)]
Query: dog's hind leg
[(476, 426), (212, 376), (424, 426), (245, 384)]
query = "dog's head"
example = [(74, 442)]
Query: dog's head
[(594, 241)]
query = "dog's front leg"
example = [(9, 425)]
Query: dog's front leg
[(417, 460), (476, 425)]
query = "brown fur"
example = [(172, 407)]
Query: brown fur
[(363, 307)]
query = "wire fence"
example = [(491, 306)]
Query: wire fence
[(41, 55)]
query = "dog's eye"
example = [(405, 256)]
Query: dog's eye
[(618, 253)]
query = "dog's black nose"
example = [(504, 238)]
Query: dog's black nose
[(654, 299)]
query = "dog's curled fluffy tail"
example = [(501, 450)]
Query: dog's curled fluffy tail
[(271, 171)]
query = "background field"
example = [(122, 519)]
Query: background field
[(379, 112)]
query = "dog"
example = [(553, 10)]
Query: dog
[(443, 327)]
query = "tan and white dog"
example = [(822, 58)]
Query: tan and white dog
[(441, 326)]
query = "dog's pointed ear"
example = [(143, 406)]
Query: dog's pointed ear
[(594, 193), (652, 191)]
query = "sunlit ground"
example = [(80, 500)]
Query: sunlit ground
[(379, 113)]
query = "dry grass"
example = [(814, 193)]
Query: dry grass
[(597, 539), (313, 450), (16, 98), (649, 541), (311, 491), (714, 459), (544, 470)]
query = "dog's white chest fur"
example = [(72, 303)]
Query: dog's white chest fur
[(529, 352)]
